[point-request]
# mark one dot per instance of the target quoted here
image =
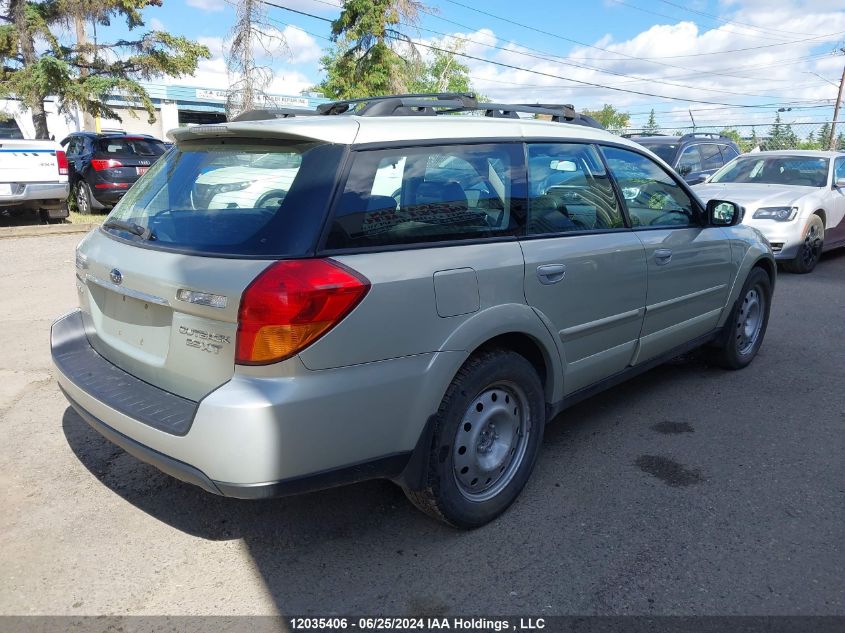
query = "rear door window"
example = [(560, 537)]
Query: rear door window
[(426, 194), (711, 157)]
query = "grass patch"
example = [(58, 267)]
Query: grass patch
[(79, 218)]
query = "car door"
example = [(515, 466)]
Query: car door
[(689, 264), (585, 270), (835, 229), (72, 150)]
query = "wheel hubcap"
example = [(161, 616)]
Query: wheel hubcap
[(812, 246), (749, 321), (491, 441), (81, 198)]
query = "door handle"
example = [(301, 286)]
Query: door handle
[(551, 273), (662, 256)]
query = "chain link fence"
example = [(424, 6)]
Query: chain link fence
[(774, 136)]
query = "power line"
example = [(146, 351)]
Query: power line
[(720, 19), (519, 68), (672, 17), (648, 59)]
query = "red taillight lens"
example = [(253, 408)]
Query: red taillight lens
[(99, 164), (292, 304), (61, 162)]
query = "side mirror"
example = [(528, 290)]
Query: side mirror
[(839, 183), (724, 213), (697, 179)]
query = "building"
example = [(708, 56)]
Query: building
[(175, 106)]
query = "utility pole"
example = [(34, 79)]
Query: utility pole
[(832, 143)]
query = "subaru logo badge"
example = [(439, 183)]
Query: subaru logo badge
[(116, 276)]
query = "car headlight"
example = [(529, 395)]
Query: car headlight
[(779, 214), (232, 186)]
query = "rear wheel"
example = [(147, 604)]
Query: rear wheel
[(487, 435), (82, 197), (747, 323), (811, 248)]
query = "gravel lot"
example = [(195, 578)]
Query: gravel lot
[(689, 490)]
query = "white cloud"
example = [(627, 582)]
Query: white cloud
[(157, 25), (682, 53), (207, 5), (302, 48)]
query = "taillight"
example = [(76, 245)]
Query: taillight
[(292, 304), (99, 164), (61, 161)]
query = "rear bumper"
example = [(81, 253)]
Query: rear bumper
[(254, 437), (36, 195)]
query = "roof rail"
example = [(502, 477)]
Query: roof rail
[(705, 135), (263, 114), (432, 104), (400, 105), (639, 134)]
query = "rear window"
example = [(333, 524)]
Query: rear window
[(131, 146), (427, 194), (235, 199)]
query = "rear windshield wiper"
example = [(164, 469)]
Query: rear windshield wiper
[(130, 227)]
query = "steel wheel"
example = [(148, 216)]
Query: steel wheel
[(811, 249), (749, 320), (83, 201), (490, 442)]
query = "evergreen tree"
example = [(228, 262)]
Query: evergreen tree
[(777, 135), (363, 61), (651, 126), (824, 136), (82, 75)]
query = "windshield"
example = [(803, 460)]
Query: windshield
[(227, 198), (799, 171), (666, 151)]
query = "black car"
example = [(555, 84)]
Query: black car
[(103, 166), (694, 156)]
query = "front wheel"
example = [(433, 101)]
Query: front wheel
[(811, 248), (747, 323), (487, 435)]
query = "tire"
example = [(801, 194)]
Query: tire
[(811, 248), (82, 197), (747, 323), (482, 450)]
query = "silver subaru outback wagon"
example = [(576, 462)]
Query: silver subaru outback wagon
[(288, 304)]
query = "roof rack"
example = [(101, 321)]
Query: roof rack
[(426, 104), (262, 114), (640, 134), (432, 104), (705, 135)]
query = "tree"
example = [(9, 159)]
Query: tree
[(777, 135), (84, 74), (840, 141), (249, 79), (651, 126), (824, 135), (610, 118), (363, 61)]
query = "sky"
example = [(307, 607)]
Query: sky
[(723, 60)]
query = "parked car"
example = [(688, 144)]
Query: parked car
[(33, 179), (104, 166), (344, 333), (795, 198), (694, 156)]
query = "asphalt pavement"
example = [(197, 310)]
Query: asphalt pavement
[(688, 490)]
